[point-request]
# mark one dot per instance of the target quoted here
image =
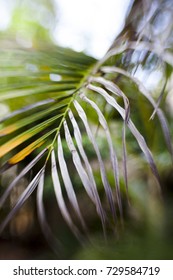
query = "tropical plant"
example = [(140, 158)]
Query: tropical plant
[(69, 110)]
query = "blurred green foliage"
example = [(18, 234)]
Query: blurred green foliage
[(148, 227)]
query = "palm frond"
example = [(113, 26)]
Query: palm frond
[(57, 95)]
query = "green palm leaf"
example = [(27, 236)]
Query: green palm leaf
[(57, 95)]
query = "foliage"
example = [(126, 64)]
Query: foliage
[(68, 111)]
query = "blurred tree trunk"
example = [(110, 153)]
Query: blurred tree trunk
[(148, 20)]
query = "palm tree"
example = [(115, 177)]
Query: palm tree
[(76, 119)]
